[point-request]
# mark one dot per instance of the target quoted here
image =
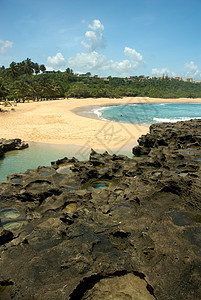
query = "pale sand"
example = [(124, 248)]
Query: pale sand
[(63, 122)]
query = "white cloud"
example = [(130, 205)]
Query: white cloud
[(95, 39), (92, 60), (162, 72), (95, 61), (191, 65), (56, 62), (96, 25), (49, 68), (135, 57), (193, 72), (88, 61), (4, 45)]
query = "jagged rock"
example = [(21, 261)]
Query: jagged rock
[(11, 144), (139, 150), (178, 135), (111, 227)]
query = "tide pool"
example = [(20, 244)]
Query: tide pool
[(148, 113), (38, 154), (41, 154)]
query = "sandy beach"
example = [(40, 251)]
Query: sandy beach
[(72, 121)]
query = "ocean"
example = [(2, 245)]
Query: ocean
[(42, 154), (146, 114)]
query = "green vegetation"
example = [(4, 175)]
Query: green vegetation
[(28, 80)]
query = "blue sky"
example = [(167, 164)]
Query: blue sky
[(104, 37)]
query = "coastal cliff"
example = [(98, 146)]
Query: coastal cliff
[(108, 228)]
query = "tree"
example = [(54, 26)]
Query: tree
[(88, 74), (3, 71), (55, 90), (36, 68), (69, 71), (78, 90), (3, 90), (28, 66), (48, 89), (36, 90), (22, 90), (42, 68), (13, 70)]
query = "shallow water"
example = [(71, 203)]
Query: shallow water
[(16, 180), (10, 218), (9, 213), (98, 186), (37, 154), (41, 154)]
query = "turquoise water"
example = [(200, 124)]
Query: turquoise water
[(150, 113), (37, 154), (42, 154)]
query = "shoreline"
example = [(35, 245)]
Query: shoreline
[(72, 121), (83, 111)]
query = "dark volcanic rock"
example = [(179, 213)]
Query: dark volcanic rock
[(5, 236), (107, 228), (177, 135), (11, 144)]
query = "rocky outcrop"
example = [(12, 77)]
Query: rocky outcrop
[(108, 228), (178, 135), (11, 144)]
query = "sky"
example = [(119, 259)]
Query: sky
[(105, 37)]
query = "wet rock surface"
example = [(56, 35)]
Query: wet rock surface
[(108, 228), (11, 144)]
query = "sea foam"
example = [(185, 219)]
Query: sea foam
[(173, 120)]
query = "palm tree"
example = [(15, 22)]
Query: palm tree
[(36, 90), (3, 90), (22, 90), (56, 90), (69, 71), (42, 68), (47, 91), (28, 66), (13, 70), (36, 68)]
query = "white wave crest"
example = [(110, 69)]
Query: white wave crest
[(98, 112), (173, 120)]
